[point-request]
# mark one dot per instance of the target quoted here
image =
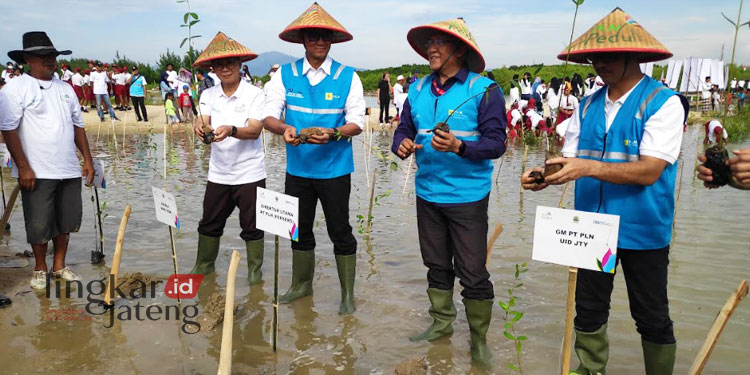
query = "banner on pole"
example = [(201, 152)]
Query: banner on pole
[(166, 208), (576, 238), (277, 213), (99, 180)]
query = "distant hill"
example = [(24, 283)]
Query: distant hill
[(264, 61)]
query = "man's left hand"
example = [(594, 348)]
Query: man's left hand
[(88, 172), (740, 166), (320, 139), (445, 142), (222, 132), (573, 169)]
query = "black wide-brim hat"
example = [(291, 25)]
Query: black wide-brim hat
[(37, 43)]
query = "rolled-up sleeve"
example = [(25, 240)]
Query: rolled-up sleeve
[(491, 124), (275, 96), (354, 109)]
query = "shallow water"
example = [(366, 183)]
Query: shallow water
[(709, 257)]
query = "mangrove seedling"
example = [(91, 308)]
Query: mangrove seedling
[(512, 316)]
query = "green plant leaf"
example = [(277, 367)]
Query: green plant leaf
[(523, 264), (512, 301), (517, 317), (518, 285), (503, 305), (513, 367), (193, 22), (186, 17), (508, 326), (727, 18), (183, 42), (394, 166), (195, 36), (509, 336), (194, 15), (518, 346), (522, 338)]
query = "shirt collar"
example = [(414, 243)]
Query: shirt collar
[(461, 76), (239, 93), (623, 98), (326, 66)]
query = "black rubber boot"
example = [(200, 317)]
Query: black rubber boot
[(443, 313), (592, 349), (254, 261), (4, 301), (346, 266), (208, 249), (303, 270), (479, 314), (659, 358)]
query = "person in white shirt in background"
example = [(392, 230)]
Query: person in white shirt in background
[(42, 127), (515, 92), (232, 110), (87, 95), (67, 75), (526, 86), (705, 88), (273, 70), (8, 72), (568, 104), (714, 128), (400, 99), (398, 89), (77, 82), (733, 84), (99, 81), (741, 85), (172, 79), (553, 97), (119, 78), (213, 76)]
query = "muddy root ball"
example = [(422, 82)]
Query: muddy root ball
[(716, 158), (537, 176)]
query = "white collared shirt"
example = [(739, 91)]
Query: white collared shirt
[(354, 109), (712, 128), (662, 133), (77, 79), (234, 161)]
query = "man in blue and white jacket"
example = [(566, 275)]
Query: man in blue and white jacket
[(454, 175)]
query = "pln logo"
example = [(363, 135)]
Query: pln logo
[(629, 143), (329, 96), (183, 286)]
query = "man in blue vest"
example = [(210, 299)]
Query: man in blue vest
[(454, 178), (621, 148), (324, 104)]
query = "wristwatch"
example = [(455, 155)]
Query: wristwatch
[(461, 149), (234, 131)]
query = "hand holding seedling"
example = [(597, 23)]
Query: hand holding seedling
[(222, 132), (407, 147), (318, 136), (573, 169), (88, 172), (529, 182), (290, 136), (705, 174), (445, 141)]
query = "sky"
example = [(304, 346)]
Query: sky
[(508, 32)]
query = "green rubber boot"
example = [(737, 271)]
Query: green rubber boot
[(443, 313), (303, 269), (592, 349), (208, 249), (254, 261), (479, 314), (659, 358), (346, 266)]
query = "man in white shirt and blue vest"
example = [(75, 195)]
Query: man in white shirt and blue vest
[(321, 93), (454, 175), (621, 148)]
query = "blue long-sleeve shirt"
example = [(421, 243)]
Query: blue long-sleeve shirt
[(491, 122)]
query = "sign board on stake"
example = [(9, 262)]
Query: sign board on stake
[(99, 180), (576, 238), (277, 213), (166, 208)]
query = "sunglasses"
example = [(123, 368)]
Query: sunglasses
[(314, 36), (437, 42)]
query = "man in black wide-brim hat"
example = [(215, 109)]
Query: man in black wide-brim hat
[(42, 126)]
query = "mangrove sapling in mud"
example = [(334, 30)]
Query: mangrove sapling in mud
[(512, 316)]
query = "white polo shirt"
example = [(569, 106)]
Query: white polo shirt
[(99, 80), (77, 79), (711, 131), (234, 161), (44, 113), (662, 134)]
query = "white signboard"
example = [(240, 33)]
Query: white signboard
[(166, 208), (576, 238), (7, 160), (277, 213), (99, 180)]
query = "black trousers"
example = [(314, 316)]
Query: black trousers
[(645, 274), (219, 202), (139, 103), (334, 197), (385, 106), (453, 241)]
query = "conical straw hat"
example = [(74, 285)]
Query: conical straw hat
[(456, 28), (315, 17), (617, 32), (222, 47)]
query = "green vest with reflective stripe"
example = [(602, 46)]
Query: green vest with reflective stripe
[(646, 212)]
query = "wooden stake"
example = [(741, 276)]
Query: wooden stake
[(114, 134), (408, 170), (174, 256), (562, 197), (275, 328), (9, 209), (372, 195), (498, 231), (116, 258), (164, 146), (225, 358), (570, 306), (721, 320), (2, 185), (124, 119)]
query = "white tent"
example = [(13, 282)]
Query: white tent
[(696, 70)]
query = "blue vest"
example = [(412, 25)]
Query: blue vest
[(444, 177), (646, 212), (322, 106)]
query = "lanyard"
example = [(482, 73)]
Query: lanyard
[(439, 91)]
